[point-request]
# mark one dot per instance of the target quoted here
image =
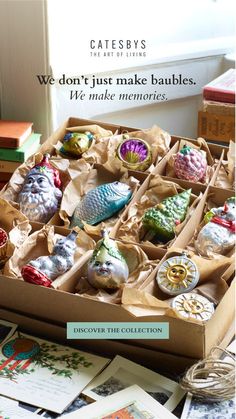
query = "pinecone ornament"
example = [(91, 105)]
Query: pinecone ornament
[(190, 164)]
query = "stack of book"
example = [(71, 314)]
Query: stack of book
[(216, 120), (17, 143)]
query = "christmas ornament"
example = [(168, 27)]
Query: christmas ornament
[(218, 235), (40, 194), (20, 351), (101, 203), (177, 275), (107, 269), (192, 306), (76, 143), (135, 154), (45, 269), (3, 245), (190, 164), (162, 219)]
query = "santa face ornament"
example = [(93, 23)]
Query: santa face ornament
[(40, 195), (45, 269)]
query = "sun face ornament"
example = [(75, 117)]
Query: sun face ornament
[(193, 306), (135, 154), (177, 275)]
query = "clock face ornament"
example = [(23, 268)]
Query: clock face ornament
[(193, 306), (177, 275)]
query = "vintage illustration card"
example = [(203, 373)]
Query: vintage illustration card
[(45, 374), (122, 373), (195, 409), (9, 409), (130, 403), (6, 330)]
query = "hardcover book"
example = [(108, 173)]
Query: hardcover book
[(22, 153), (14, 133), (222, 89)]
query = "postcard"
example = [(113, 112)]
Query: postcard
[(9, 409), (77, 404), (196, 409), (45, 374), (130, 403), (7, 329), (122, 373)]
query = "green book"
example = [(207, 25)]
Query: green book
[(22, 153)]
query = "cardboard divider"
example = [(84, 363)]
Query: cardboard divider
[(215, 152), (216, 195), (197, 191)]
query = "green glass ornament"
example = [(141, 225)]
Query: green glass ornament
[(162, 219)]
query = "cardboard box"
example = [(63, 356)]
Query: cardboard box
[(45, 305), (216, 127), (214, 156), (60, 306)]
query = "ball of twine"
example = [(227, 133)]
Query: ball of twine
[(211, 379)]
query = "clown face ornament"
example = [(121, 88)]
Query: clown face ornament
[(45, 269), (40, 195), (177, 275), (107, 269), (218, 235)]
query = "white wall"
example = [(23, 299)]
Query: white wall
[(23, 54)]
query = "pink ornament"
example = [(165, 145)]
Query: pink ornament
[(190, 164), (40, 195)]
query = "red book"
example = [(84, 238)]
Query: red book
[(13, 133), (221, 89)]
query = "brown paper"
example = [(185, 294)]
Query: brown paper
[(41, 243), (226, 175), (15, 224), (158, 189), (211, 285), (85, 182), (98, 133), (140, 268), (104, 151), (12, 189), (202, 145)]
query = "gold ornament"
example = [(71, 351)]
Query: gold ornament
[(177, 275), (193, 306)]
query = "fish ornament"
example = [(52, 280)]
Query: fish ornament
[(76, 143), (190, 164), (161, 220), (101, 203), (107, 268), (135, 154), (45, 269), (218, 234)]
